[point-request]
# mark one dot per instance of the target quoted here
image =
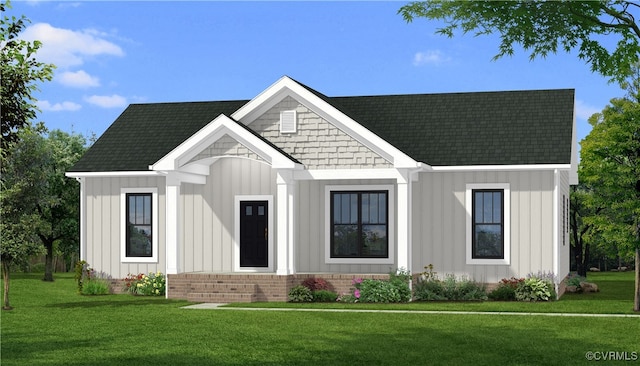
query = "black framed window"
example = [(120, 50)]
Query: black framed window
[(488, 224), (139, 238), (359, 224)]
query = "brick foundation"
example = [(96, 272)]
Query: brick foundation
[(250, 287)]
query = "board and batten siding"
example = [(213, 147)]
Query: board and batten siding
[(207, 213), (439, 226), (104, 221), (311, 234)]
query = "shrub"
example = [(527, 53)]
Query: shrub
[(503, 293), (451, 288), (396, 289), (315, 284), (575, 280), (96, 286), (300, 294), (533, 289), (324, 296), (153, 284), (506, 290), (80, 273)]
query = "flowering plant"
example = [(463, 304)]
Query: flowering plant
[(152, 284)]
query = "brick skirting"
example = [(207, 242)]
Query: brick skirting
[(250, 287)]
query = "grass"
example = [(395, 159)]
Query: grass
[(52, 325)]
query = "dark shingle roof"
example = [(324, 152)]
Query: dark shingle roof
[(144, 133), (488, 128)]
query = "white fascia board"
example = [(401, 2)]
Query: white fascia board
[(288, 87), (337, 174), (464, 168), (212, 132), (112, 174)]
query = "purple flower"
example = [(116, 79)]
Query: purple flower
[(356, 293)]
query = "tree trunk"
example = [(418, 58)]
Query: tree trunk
[(585, 261), (48, 262), (5, 275), (636, 300)]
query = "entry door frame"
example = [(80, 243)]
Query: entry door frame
[(270, 232)]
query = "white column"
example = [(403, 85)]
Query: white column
[(285, 223), (172, 224), (404, 220)]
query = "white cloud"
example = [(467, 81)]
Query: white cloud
[(78, 79), (584, 111), (45, 105), (432, 57), (107, 101), (65, 48)]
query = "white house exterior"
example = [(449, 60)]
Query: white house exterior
[(259, 194)]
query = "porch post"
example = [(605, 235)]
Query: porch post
[(285, 223), (404, 219), (172, 222)]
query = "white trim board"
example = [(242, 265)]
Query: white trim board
[(391, 209), (236, 233), (154, 225)]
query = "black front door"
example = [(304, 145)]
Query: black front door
[(254, 222)]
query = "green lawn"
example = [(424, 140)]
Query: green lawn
[(52, 325)]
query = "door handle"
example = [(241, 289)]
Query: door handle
[(265, 233)]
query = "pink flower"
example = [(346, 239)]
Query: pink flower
[(356, 293), (356, 281)]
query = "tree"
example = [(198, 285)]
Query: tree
[(581, 236), (19, 73), (18, 240), (610, 164), (58, 203), (544, 27)]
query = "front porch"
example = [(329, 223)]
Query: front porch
[(250, 287)]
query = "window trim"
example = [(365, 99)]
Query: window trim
[(390, 223), (506, 211), (154, 225)]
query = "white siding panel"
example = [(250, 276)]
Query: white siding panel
[(310, 242), (439, 230), (104, 224), (208, 220)]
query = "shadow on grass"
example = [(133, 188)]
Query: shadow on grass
[(111, 302)]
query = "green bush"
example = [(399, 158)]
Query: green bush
[(152, 284), (451, 288), (575, 280), (324, 296), (534, 289), (396, 289), (429, 290), (300, 294), (96, 286), (503, 293)]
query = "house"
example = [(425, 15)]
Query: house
[(241, 200)]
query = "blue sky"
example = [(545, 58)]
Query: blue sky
[(111, 54)]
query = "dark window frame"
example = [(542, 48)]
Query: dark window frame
[(474, 223), (129, 224), (360, 224)]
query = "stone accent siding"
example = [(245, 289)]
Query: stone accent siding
[(226, 146), (316, 143)]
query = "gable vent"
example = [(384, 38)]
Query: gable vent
[(288, 121)]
